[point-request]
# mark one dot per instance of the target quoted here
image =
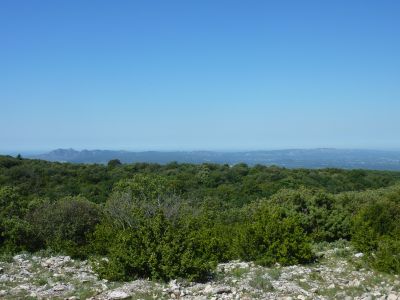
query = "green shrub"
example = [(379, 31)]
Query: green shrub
[(18, 236), (376, 232), (381, 218), (157, 248), (152, 234), (387, 256), (143, 194), (274, 237), (14, 230), (317, 212), (65, 225)]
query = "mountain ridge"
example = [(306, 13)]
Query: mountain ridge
[(290, 158)]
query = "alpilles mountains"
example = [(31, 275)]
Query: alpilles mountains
[(292, 158)]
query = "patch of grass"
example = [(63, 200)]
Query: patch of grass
[(343, 253), (151, 295), (40, 280), (329, 293), (335, 292), (6, 257), (239, 272), (261, 282), (360, 264), (316, 276), (35, 267), (84, 293), (304, 285), (275, 274), (325, 246), (46, 253)]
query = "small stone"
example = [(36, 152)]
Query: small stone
[(46, 263), (359, 255), (24, 287), (118, 295), (223, 290), (331, 286), (354, 283), (208, 289), (25, 273), (58, 288), (392, 297)]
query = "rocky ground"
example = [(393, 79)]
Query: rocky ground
[(340, 273)]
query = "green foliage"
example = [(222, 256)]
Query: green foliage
[(376, 231), (144, 188), (179, 220), (374, 221), (318, 212), (150, 238), (156, 248), (65, 225), (14, 230), (387, 256), (114, 163), (261, 282), (275, 237), (238, 185)]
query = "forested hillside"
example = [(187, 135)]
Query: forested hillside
[(180, 220)]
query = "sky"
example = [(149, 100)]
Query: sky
[(199, 75)]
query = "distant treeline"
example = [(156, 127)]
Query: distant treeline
[(290, 158), (180, 220)]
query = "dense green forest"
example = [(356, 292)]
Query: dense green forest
[(180, 220)]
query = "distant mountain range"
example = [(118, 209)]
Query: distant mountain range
[(293, 158)]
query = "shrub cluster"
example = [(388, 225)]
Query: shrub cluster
[(274, 237), (150, 240), (180, 220), (376, 231), (65, 225)]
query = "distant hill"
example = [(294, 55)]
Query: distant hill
[(293, 158)]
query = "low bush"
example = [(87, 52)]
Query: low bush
[(151, 236), (273, 237), (376, 232), (157, 248), (14, 230), (387, 256), (317, 212), (65, 225)]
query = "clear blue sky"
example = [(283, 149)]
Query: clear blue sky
[(199, 74)]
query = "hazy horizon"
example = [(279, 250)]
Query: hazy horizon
[(44, 151), (206, 75)]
